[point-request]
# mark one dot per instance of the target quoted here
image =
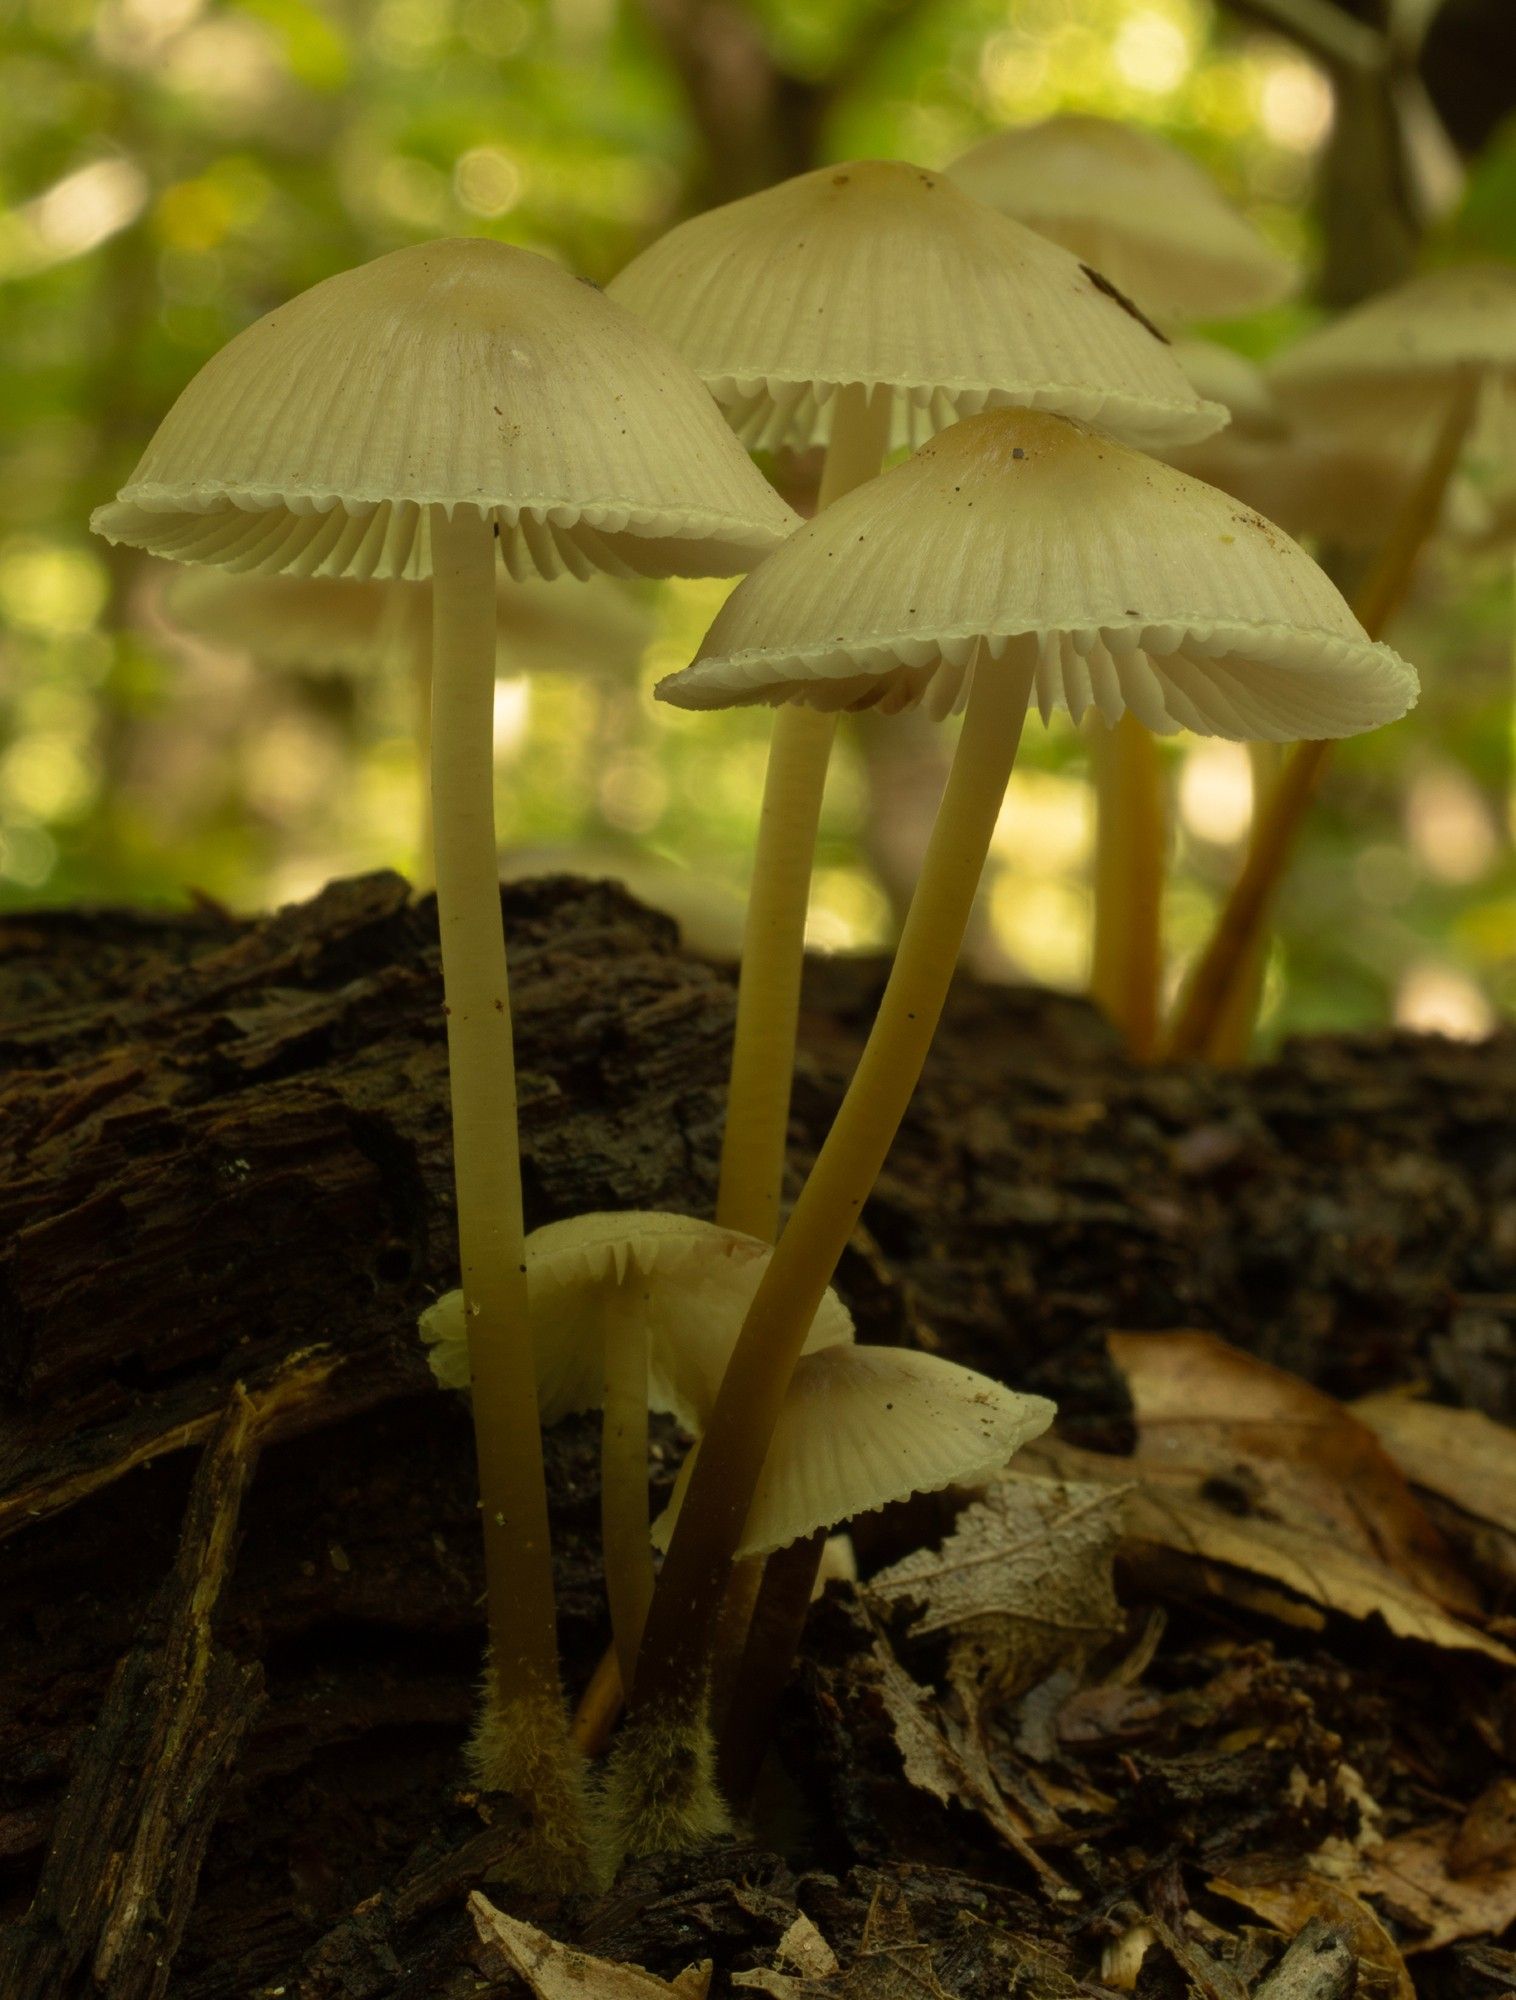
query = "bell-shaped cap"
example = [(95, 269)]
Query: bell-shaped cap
[(688, 1283), (882, 274), (455, 374), (1126, 583), (1394, 361), (861, 1427), (1136, 208), (355, 627)]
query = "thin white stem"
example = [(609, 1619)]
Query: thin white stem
[(626, 1548), (482, 1079), (773, 939), (705, 1539)]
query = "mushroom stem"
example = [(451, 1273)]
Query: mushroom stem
[(1276, 829), (626, 1549), (773, 939), (705, 1539), (1129, 858), (1233, 1037), (778, 1619), (421, 723), (482, 1080)]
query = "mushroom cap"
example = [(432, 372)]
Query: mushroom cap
[(1131, 585), (1393, 361), (1224, 376), (456, 373), (863, 1426), (880, 273), (338, 623), (693, 1280), (1141, 211)]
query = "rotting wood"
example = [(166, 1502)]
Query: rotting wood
[(124, 1858)]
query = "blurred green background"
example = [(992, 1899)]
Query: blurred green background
[(171, 169)]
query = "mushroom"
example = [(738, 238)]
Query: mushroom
[(631, 1311), (858, 303), (360, 628), (1144, 213), (636, 1311), (1154, 222), (443, 406), (1432, 365), (1018, 556)]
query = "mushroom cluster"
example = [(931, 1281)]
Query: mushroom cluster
[(460, 409)]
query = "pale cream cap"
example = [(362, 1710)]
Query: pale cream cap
[(688, 1282), (864, 1426), (1136, 208), (462, 373), (1130, 586), (883, 274)]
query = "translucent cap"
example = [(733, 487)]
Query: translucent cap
[(688, 1283), (456, 373), (1129, 584), (1142, 212), (864, 1426), (882, 274)]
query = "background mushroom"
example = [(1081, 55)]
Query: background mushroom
[(1432, 365), (860, 302), (1017, 557), (1150, 219), (418, 416)]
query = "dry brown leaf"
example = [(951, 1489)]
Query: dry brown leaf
[(1024, 1581), (556, 1971), (1311, 1565), (1209, 1414), (892, 1963), (953, 1773), (1462, 1456), (1166, 1516), (1413, 1876), (1290, 1904)]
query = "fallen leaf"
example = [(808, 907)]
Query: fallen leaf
[(892, 1963), (1270, 1445), (803, 1947), (1164, 1515), (1462, 1459), (1415, 1877), (1289, 1905), (1024, 1582), (556, 1971), (953, 1773)]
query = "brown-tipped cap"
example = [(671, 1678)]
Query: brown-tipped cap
[(1142, 212), (882, 274)]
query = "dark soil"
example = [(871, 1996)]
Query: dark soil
[(239, 1586)]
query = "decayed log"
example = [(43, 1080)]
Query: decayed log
[(224, 1161)]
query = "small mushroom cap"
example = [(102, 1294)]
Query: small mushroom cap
[(880, 273), (1392, 362), (864, 1426), (1138, 209), (1134, 587), (457, 373), (691, 1281), (321, 622)]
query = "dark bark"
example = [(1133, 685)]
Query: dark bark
[(224, 1187)]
